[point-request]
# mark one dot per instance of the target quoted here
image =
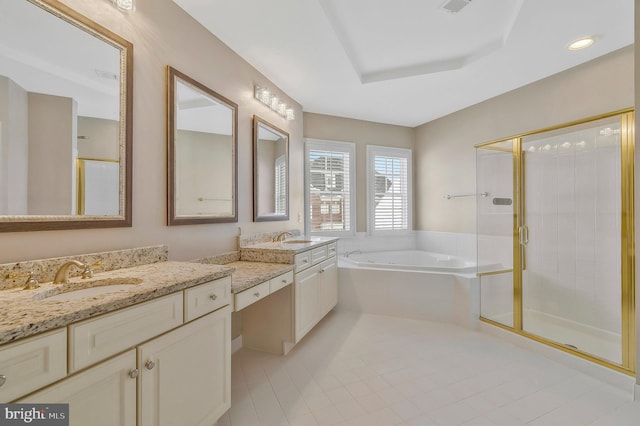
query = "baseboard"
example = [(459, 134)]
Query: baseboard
[(236, 344)]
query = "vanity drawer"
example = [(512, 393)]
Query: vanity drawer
[(206, 298), (332, 248), (98, 338), (318, 254), (303, 261), (32, 363), (251, 295), (280, 281)]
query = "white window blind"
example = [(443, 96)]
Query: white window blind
[(329, 175), (389, 192), (281, 185)]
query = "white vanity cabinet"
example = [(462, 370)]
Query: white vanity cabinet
[(31, 363), (316, 287), (185, 376), (103, 395), (181, 377)]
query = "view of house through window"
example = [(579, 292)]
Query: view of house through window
[(389, 188), (329, 168)]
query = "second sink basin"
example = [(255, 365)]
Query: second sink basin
[(81, 290), (296, 241)]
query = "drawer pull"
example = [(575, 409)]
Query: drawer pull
[(305, 261), (3, 379), (256, 294), (284, 281), (134, 373), (213, 296), (150, 364)]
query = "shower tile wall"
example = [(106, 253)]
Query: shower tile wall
[(572, 209)]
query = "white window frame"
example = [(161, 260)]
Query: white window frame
[(372, 152), (280, 185), (328, 145)]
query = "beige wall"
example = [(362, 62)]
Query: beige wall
[(98, 138), (162, 34), (444, 156), (14, 147), (361, 133), (52, 188)]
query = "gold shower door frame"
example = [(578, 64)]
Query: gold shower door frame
[(627, 249)]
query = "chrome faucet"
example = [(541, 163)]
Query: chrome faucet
[(349, 253), (281, 236), (62, 276)]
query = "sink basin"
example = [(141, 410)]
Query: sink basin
[(296, 241), (81, 289)]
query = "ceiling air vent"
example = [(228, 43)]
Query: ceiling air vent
[(455, 6)]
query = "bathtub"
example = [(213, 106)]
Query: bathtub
[(409, 284), (415, 260)]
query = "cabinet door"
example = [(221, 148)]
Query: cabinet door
[(307, 293), (328, 286), (185, 375), (104, 395)]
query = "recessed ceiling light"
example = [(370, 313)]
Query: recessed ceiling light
[(581, 43)]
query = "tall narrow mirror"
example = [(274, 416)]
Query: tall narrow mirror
[(270, 172), (202, 141), (65, 120)]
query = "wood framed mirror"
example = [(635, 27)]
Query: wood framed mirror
[(270, 172), (202, 141), (65, 122)]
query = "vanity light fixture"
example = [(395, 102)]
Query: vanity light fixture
[(581, 43), (271, 100), (128, 6)]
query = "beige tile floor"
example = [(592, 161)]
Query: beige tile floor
[(371, 370)]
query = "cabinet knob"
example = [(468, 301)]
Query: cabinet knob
[(134, 373), (3, 379), (256, 294), (150, 364), (213, 296)]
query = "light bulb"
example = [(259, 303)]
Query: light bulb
[(273, 103), (289, 114), (125, 5)]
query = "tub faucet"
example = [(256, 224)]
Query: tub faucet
[(62, 276), (281, 236), (349, 253)]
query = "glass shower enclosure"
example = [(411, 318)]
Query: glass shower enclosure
[(555, 237)]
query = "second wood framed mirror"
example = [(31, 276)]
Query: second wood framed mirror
[(202, 153), (270, 172)]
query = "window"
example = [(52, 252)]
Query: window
[(389, 190), (329, 176), (281, 185)]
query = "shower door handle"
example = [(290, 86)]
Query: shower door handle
[(524, 235)]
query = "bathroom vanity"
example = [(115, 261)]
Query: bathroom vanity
[(156, 352), (276, 323)]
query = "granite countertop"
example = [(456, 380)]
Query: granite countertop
[(250, 274), (306, 243), (282, 252), (22, 315)]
